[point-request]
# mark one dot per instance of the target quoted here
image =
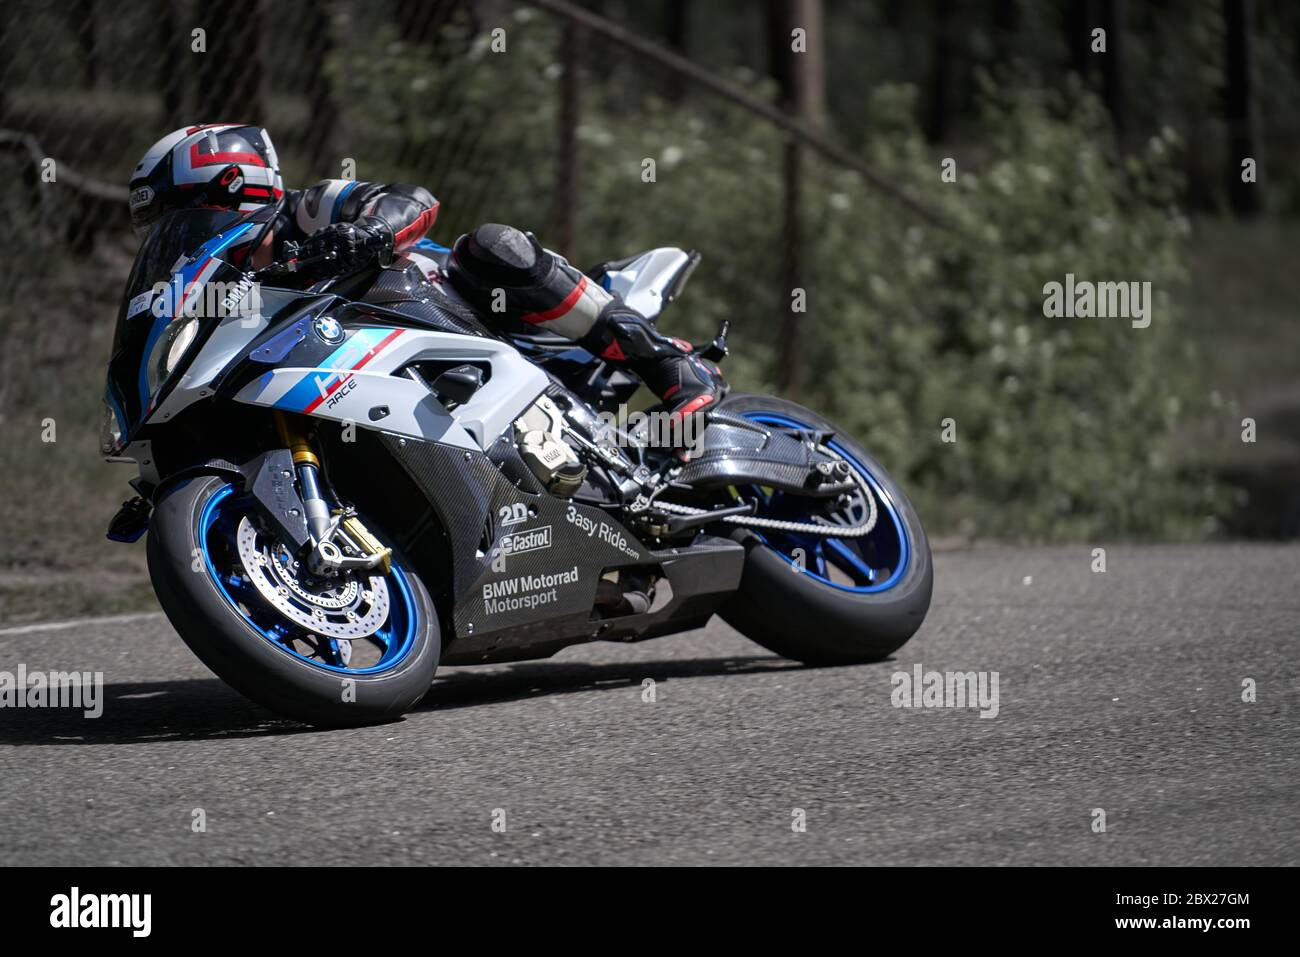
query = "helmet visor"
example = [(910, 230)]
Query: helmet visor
[(220, 148)]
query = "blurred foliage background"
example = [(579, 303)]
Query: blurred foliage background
[(1114, 166)]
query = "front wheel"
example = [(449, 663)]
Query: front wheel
[(359, 648), (822, 599)]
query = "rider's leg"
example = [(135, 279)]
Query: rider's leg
[(669, 367), (505, 272)]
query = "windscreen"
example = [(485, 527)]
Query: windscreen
[(181, 242)]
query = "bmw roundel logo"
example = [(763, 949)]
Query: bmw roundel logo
[(328, 328)]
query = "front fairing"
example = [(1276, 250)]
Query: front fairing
[(186, 251)]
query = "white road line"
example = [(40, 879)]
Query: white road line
[(76, 622)]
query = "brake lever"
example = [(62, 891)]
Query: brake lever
[(716, 350), (293, 264)]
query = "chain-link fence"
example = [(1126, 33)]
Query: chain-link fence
[(496, 107), (506, 112), (825, 258)]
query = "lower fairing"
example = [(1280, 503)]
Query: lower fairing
[(526, 564)]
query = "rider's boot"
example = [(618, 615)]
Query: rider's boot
[(504, 271), (686, 384)]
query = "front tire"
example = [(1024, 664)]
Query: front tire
[(802, 611), (241, 642)]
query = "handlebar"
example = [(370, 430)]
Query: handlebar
[(293, 264)]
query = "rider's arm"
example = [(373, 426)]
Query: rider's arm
[(408, 211), (399, 214)]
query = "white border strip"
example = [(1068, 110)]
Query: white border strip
[(38, 627)]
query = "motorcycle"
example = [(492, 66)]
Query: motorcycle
[(350, 482)]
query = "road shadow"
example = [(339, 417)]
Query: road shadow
[(148, 712), (464, 688), (199, 709)]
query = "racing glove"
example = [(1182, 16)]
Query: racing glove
[(353, 245)]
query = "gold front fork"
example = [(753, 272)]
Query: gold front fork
[(295, 440), (319, 519)]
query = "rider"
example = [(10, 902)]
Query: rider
[(233, 166)]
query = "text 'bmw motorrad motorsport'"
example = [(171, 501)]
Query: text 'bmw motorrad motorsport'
[(351, 483)]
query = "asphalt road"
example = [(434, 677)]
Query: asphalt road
[(1120, 691)]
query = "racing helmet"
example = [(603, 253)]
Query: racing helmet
[(213, 166)]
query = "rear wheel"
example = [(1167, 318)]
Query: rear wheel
[(355, 648), (823, 599)]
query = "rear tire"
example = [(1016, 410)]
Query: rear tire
[(800, 616), (250, 662)]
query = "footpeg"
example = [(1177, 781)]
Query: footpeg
[(680, 523), (131, 521)]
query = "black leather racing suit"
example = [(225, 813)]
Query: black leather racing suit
[(357, 222), (511, 279)]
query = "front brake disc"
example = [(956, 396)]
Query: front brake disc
[(346, 607)]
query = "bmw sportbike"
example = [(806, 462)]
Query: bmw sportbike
[(348, 484)]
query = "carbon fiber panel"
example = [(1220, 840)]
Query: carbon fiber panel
[(409, 292), (736, 454), (518, 557), (700, 577)]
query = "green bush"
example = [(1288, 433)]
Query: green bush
[(1065, 428)]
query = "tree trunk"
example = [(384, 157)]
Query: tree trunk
[(1006, 20), (802, 80), (1079, 21), (323, 132), (936, 120), (233, 74), (1111, 17), (85, 23), (676, 34), (564, 214), (172, 45), (1243, 138)]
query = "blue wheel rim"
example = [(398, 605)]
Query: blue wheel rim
[(395, 638), (875, 563)]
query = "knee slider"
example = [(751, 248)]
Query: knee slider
[(496, 255)]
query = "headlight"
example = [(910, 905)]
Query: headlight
[(181, 340), (170, 349), (110, 431)]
